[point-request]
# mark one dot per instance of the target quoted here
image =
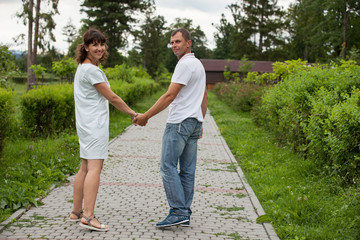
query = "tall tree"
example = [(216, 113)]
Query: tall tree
[(257, 29), (151, 37), (115, 18), (324, 30), (223, 39), (70, 32), (39, 28)]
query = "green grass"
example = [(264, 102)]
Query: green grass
[(299, 201)]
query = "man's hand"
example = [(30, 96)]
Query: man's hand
[(140, 119)]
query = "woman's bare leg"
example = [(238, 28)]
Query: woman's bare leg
[(91, 187), (78, 192)]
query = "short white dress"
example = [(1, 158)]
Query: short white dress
[(91, 112)]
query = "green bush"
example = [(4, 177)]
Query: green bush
[(49, 109), (132, 92), (125, 73), (6, 109), (315, 110), (241, 96)]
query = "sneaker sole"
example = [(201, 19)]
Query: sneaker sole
[(173, 224)]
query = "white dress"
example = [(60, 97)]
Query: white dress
[(91, 112)]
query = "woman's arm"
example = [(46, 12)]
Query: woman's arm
[(114, 99)]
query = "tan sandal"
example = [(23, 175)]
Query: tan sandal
[(77, 214), (88, 225)]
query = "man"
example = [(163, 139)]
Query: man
[(187, 98)]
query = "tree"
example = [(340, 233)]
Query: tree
[(151, 37), (324, 30), (115, 19), (39, 28), (223, 39), (256, 31), (70, 32), (8, 67)]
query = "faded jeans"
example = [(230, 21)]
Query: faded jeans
[(179, 146)]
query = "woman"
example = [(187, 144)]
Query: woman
[(92, 93)]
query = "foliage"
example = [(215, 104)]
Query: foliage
[(38, 70), (125, 73), (6, 110), (8, 67), (70, 32), (241, 96), (300, 201), (49, 110), (322, 30), (40, 26), (263, 19), (151, 37), (29, 168), (66, 67), (131, 92), (281, 70), (115, 19), (315, 110)]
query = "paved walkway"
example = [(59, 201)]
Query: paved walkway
[(131, 198)]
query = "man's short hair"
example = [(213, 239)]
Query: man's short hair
[(185, 33)]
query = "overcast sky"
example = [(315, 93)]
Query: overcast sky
[(202, 12)]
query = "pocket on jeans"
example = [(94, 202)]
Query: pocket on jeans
[(183, 130)]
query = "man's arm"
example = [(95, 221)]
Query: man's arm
[(162, 103), (204, 103)]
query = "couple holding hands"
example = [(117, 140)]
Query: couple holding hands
[(186, 98)]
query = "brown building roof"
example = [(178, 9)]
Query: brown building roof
[(217, 65)]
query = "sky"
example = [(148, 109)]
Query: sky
[(204, 13)]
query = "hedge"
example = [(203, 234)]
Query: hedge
[(6, 108), (50, 109), (317, 111)]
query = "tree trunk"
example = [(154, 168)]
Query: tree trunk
[(30, 75), (343, 51), (36, 33)]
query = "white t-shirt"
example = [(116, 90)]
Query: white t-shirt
[(91, 112), (189, 72)]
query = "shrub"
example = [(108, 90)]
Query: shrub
[(49, 109), (6, 108), (125, 73), (314, 110), (65, 68), (130, 93), (241, 96)]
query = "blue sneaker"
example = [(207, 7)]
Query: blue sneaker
[(173, 219)]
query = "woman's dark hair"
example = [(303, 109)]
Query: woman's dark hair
[(91, 36)]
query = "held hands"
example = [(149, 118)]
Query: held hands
[(140, 119)]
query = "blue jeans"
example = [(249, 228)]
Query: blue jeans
[(179, 146)]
